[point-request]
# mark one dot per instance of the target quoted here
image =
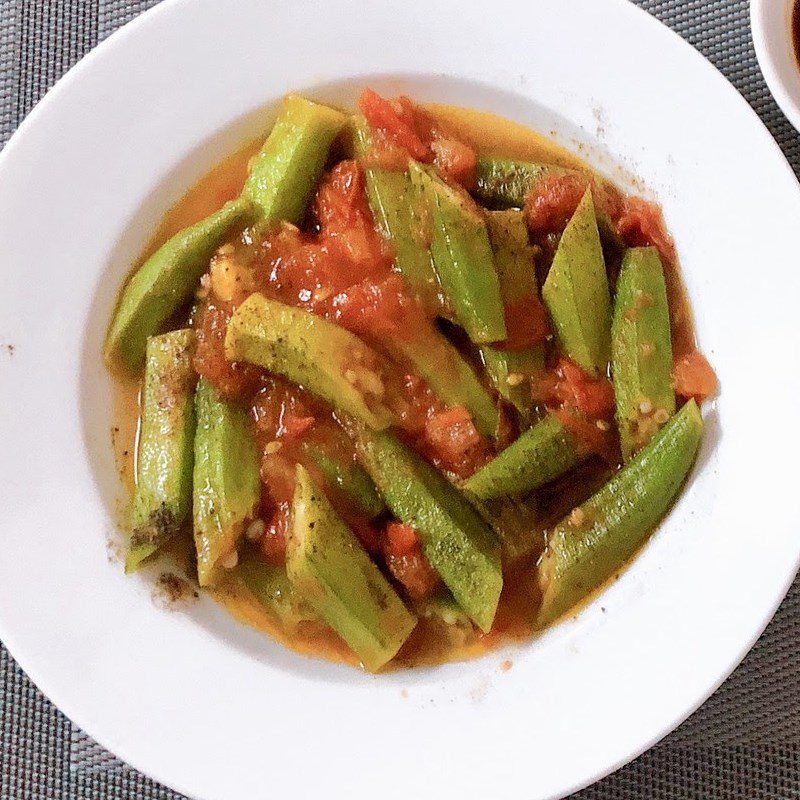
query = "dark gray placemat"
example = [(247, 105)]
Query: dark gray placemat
[(743, 743)]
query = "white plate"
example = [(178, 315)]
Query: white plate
[(219, 712)]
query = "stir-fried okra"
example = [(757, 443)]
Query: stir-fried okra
[(412, 389)]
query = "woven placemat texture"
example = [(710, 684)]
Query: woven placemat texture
[(744, 743)]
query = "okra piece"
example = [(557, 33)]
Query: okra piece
[(541, 454), (515, 522), (462, 256), (334, 574), (443, 606), (226, 482), (398, 213), (504, 182), (576, 292), (454, 538), (323, 357), (598, 537), (163, 498), (448, 374), (510, 370), (349, 478), (167, 281), (286, 169), (641, 350), (270, 586)]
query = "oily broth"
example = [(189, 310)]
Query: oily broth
[(432, 641), (489, 133)]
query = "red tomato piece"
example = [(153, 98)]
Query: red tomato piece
[(641, 224), (401, 539), (554, 198), (527, 324), (230, 380), (693, 376), (552, 201), (451, 440), (396, 120), (282, 411), (406, 561), (294, 427), (593, 397), (378, 308), (278, 477), (455, 160)]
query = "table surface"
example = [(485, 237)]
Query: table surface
[(743, 743)]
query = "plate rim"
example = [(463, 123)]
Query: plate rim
[(86, 63)]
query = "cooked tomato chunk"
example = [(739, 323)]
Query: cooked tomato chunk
[(693, 376), (641, 224), (231, 380), (406, 561), (396, 119)]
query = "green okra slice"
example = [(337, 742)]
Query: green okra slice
[(511, 370), (350, 478), (541, 454), (334, 574), (576, 292), (323, 357), (226, 482), (270, 585), (462, 256), (163, 498), (454, 538), (516, 523), (286, 169), (166, 281), (398, 213), (505, 182), (641, 350), (598, 537), (448, 374)]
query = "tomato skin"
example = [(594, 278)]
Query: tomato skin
[(401, 539), (379, 308), (592, 397), (641, 224), (231, 380), (406, 561), (456, 161), (451, 440), (527, 324), (552, 201), (282, 411), (693, 376), (396, 120)]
